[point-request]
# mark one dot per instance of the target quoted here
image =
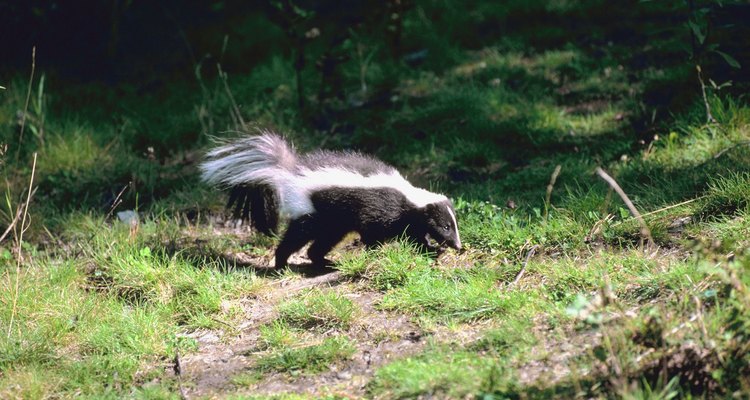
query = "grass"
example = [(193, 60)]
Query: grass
[(105, 316), (463, 295), (310, 359), (102, 306), (436, 372), (387, 267), (58, 319), (458, 370), (285, 340), (318, 309), (278, 335), (727, 194)]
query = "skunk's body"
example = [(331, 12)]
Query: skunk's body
[(326, 195)]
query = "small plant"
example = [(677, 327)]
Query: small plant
[(354, 264), (276, 335), (315, 358), (727, 194), (246, 379), (386, 267), (462, 295), (318, 309)]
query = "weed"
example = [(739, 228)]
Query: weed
[(277, 334), (451, 374), (463, 295), (728, 194), (247, 379), (311, 359), (318, 309), (386, 267)]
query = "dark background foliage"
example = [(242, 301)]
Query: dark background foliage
[(117, 40)]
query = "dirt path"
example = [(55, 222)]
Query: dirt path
[(378, 337)]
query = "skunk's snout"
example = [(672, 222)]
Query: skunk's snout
[(452, 243)]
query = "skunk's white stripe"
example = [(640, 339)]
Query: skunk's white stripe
[(295, 189), (455, 225)]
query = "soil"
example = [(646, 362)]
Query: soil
[(378, 336)]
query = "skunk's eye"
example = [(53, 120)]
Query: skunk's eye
[(447, 227)]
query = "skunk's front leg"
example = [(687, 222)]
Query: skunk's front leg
[(300, 232), (323, 242)]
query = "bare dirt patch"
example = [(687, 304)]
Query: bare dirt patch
[(558, 358), (378, 337)]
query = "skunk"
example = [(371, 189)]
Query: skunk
[(326, 195)]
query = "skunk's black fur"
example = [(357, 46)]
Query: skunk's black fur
[(326, 195)]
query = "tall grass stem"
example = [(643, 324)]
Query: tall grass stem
[(20, 248)]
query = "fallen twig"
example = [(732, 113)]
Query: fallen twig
[(650, 213), (117, 201), (12, 224), (709, 117), (551, 186), (520, 273), (234, 110), (672, 206), (644, 228), (721, 153), (26, 205)]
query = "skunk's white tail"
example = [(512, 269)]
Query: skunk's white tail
[(255, 167), (263, 159)]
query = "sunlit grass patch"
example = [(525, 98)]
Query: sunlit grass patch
[(513, 335), (85, 336), (386, 267), (318, 309), (461, 295), (311, 358), (103, 318), (515, 65), (664, 280), (278, 334), (489, 227), (71, 152), (139, 276), (732, 231), (441, 371), (29, 382), (628, 272), (594, 124), (632, 341), (151, 263)]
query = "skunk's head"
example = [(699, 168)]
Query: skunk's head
[(442, 225)]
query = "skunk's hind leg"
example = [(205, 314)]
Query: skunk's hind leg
[(325, 240), (299, 232)]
